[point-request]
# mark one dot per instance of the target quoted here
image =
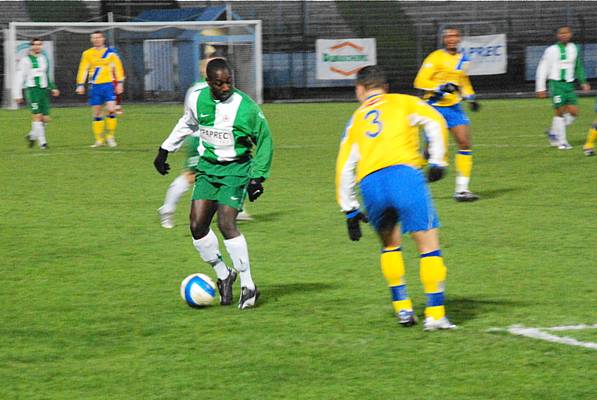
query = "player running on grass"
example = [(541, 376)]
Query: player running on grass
[(380, 152), (235, 151), (443, 76), (33, 75), (561, 64)]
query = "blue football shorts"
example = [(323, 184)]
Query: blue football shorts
[(100, 93), (402, 191), (454, 115)]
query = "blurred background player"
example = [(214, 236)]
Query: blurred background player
[(33, 75), (561, 64), (443, 77), (380, 151), (98, 65), (589, 146), (181, 184), (235, 152)]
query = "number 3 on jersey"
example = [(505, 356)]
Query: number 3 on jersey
[(373, 117)]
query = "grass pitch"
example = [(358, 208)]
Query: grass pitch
[(89, 301)]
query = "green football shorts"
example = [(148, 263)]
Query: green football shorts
[(38, 100), (562, 93), (228, 190)]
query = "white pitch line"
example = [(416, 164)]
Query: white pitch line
[(90, 152), (538, 333)]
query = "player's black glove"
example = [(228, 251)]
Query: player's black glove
[(255, 188), (474, 105), (435, 173), (160, 161), (353, 218), (448, 88)]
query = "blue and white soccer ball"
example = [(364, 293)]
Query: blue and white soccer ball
[(198, 290)]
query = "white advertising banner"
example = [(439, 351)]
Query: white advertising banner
[(342, 58), (487, 54)]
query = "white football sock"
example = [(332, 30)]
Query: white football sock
[(239, 253), (208, 249), (568, 119), (462, 183), (39, 132), (558, 127), (175, 191)]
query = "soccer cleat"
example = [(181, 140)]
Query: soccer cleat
[(30, 141), (225, 287), (465, 196), (166, 218), (564, 146), (111, 142), (243, 216), (97, 144), (406, 318), (589, 151), (432, 324), (44, 146), (553, 139), (248, 298)]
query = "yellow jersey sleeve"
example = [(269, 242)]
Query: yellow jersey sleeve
[(84, 65), (439, 68), (117, 67)]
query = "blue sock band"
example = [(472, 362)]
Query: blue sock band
[(391, 250), (98, 119), (435, 299), (435, 253), (399, 292), (111, 115)]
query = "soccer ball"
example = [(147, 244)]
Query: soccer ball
[(198, 290)]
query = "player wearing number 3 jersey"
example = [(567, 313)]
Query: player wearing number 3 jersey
[(380, 151), (235, 149)]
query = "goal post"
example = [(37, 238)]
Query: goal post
[(161, 59)]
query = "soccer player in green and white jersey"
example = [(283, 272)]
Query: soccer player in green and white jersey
[(235, 151), (33, 75), (561, 64), (186, 179)]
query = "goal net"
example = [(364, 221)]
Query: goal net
[(161, 59)]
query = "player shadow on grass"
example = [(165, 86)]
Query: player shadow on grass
[(489, 194), (273, 293), (462, 309)]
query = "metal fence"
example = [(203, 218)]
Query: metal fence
[(405, 33)]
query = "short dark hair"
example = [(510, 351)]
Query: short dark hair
[(216, 64), (98, 32), (372, 77), (35, 39), (563, 26)]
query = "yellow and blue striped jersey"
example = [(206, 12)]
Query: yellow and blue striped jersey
[(382, 132), (441, 67), (100, 66)]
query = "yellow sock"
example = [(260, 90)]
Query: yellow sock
[(464, 162), (97, 126), (591, 139), (392, 267), (433, 276), (111, 123)]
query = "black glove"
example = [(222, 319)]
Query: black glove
[(474, 106), (255, 188), (352, 220), (160, 161), (435, 173), (448, 88)]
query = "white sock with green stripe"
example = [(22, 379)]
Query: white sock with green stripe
[(568, 119), (209, 251)]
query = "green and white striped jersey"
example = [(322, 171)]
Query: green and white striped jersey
[(235, 139), (32, 71), (560, 62)]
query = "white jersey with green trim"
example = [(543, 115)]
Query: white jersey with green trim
[(228, 130), (32, 71)]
